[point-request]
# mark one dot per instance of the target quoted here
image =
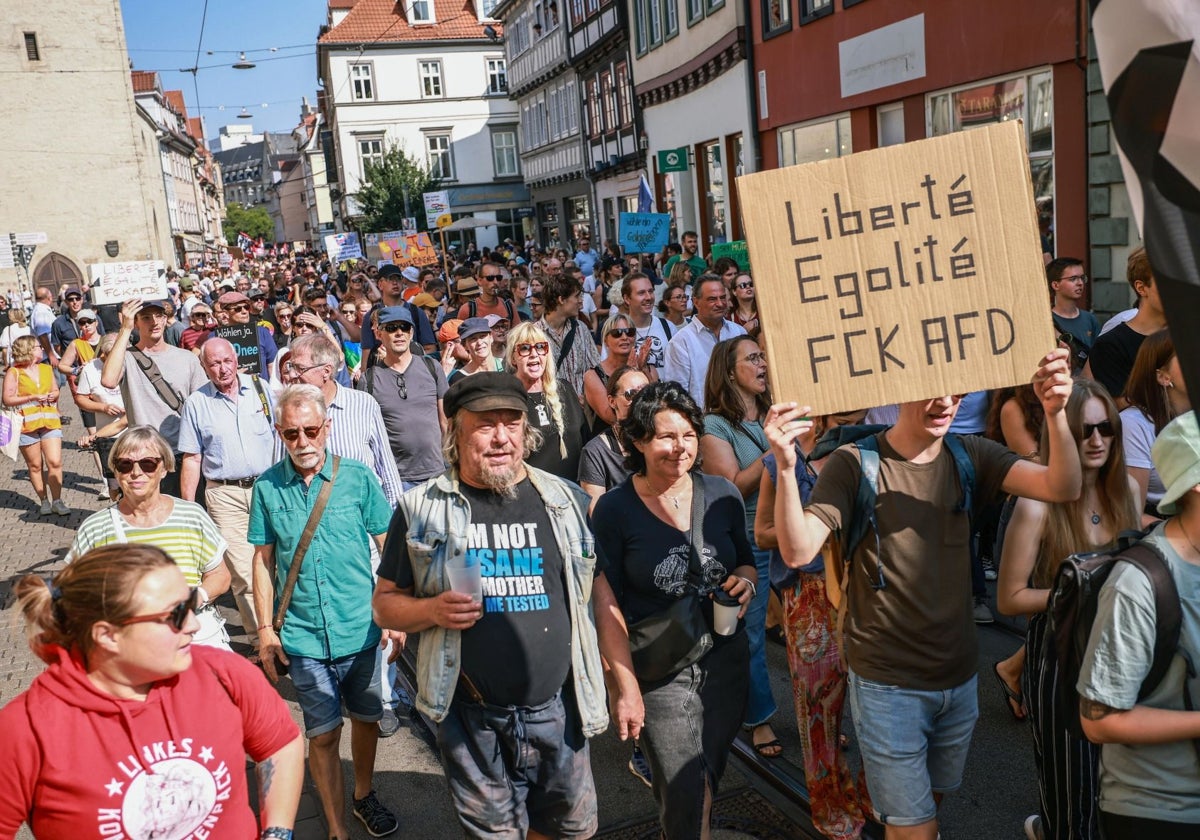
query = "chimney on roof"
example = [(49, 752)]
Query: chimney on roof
[(305, 108)]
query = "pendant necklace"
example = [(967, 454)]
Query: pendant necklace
[(1095, 518), (664, 494)]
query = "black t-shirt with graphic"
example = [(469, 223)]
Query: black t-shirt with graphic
[(646, 560), (549, 456), (519, 652)]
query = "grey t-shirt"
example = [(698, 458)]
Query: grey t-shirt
[(182, 371), (410, 416), (1153, 781)]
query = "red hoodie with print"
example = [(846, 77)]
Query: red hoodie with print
[(78, 763)]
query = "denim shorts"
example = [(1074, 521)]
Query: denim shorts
[(39, 436), (512, 768), (323, 685), (913, 743)]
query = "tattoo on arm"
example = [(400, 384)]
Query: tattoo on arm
[(266, 773), (1092, 710)]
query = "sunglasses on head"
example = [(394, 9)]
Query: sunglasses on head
[(175, 617), (292, 435), (541, 348), (402, 326), (1105, 428), (125, 465), (623, 332)]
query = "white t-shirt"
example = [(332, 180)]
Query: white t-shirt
[(1137, 431), (88, 384), (1117, 320), (11, 333), (658, 338)]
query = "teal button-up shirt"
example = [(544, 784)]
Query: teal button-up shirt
[(330, 613)]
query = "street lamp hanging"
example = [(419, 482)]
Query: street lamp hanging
[(245, 115), (243, 64)]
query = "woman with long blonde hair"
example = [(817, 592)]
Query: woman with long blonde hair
[(527, 354), (1039, 537)]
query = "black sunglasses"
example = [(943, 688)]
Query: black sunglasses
[(83, 322), (1105, 428), (392, 326), (147, 465), (623, 332), (175, 617), (70, 298)]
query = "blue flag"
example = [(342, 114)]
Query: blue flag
[(645, 199)]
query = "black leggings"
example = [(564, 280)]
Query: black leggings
[(1120, 827)]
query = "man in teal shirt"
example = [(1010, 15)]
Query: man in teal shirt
[(328, 637), (691, 245)]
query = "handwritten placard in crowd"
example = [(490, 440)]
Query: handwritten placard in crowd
[(244, 338), (643, 233), (116, 282), (735, 250), (343, 246), (901, 273), (400, 249)]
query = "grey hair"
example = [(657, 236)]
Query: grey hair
[(319, 348), (531, 440), (136, 438), (302, 394)]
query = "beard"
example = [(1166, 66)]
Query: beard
[(502, 480)]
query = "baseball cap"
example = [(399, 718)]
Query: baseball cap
[(388, 314), (85, 314), (425, 301), (156, 304), (1176, 455), (412, 274), (472, 327), (493, 320), (449, 330), (389, 270), (486, 391), (188, 283), (256, 293)]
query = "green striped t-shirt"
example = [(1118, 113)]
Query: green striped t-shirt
[(187, 534)]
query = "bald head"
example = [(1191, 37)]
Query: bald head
[(219, 360)]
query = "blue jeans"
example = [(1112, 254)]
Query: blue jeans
[(760, 704), (323, 686), (913, 744)]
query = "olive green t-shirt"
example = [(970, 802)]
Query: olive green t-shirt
[(916, 631)]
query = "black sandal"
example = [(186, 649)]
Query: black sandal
[(1010, 696)]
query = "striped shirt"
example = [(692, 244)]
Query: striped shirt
[(356, 431), (187, 534)]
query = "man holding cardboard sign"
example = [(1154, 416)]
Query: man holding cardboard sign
[(919, 273)]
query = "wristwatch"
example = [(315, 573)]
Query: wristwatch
[(275, 833)]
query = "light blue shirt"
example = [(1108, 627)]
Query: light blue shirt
[(356, 430), (234, 438), (586, 260)]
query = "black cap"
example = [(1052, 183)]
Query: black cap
[(487, 391), (390, 270)]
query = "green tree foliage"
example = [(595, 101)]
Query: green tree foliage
[(252, 221), (381, 196)]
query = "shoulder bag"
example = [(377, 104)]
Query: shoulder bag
[(310, 528), (665, 643), (165, 392)]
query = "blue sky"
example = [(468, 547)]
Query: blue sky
[(162, 35)]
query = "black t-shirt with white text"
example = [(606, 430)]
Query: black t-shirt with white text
[(519, 652)]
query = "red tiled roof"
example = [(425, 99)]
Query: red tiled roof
[(144, 81), (342, 4), (196, 129), (175, 98), (384, 21)]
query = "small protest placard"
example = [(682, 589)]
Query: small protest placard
[(644, 233), (735, 250), (116, 282), (400, 249), (900, 273), (244, 338), (343, 246)]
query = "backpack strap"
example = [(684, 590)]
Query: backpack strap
[(567, 344), (1168, 615), (965, 468), (430, 365), (369, 379), (666, 325), (472, 308), (864, 507)]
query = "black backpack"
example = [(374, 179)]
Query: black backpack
[(1074, 600)]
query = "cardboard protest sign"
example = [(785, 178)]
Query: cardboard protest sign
[(244, 338), (400, 249), (643, 233), (117, 282), (343, 246), (900, 273), (735, 250)]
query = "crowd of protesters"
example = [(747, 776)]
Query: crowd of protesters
[(565, 471)]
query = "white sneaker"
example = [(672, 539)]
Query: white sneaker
[(60, 508), (45, 509)]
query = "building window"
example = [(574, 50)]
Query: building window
[(577, 13), (609, 98), (639, 26), (656, 23), (486, 7), (504, 153), (595, 119), (431, 79), (579, 216), (546, 16), (712, 5), (441, 162), (497, 75), (670, 17), (420, 11), (810, 10), (814, 141), (777, 16), (31, 47), (370, 151), (624, 95), (548, 217), (695, 11), (360, 82), (890, 119)]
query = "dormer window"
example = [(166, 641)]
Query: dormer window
[(486, 7), (420, 11)]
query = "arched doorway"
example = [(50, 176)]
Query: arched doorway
[(55, 271)]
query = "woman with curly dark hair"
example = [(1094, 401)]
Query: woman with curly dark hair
[(665, 534)]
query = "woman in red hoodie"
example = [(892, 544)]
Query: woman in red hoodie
[(133, 731)]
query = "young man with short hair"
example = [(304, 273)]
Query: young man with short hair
[(1112, 355), (1068, 288), (689, 254), (574, 350)]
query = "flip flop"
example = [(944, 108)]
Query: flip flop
[(767, 749), (1010, 696)]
